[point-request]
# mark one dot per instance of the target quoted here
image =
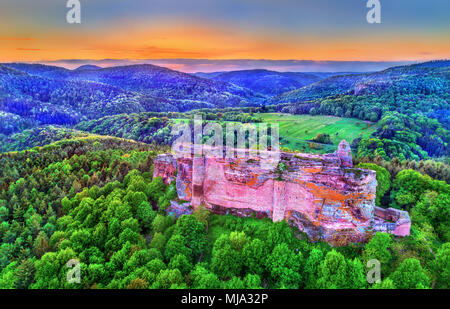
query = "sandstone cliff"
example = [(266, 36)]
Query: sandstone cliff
[(323, 195)]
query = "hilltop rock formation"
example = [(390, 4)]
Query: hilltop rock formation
[(322, 195)]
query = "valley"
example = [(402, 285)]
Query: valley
[(77, 159)]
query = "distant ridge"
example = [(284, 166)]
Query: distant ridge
[(375, 82), (87, 67), (266, 82), (54, 95)]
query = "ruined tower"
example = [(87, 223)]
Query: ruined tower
[(323, 195)]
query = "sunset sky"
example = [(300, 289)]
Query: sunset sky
[(209, 30)]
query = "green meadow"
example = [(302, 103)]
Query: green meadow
[(297, 131)]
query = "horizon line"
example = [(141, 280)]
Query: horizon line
[(193, 65)]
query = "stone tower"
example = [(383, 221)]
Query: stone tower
[(345, 153)]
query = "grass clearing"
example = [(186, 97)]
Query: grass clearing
[(297, 131)]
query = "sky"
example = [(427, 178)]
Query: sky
[(217, 35)]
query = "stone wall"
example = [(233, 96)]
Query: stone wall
[(392, 221), (323, 195)]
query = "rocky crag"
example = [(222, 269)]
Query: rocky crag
[(323, 195)]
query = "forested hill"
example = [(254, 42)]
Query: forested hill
[(268, 83), (43, 100), (35, 94), (163, 82), (151, 80), (428, 77), (93, 199), (410, 103), (38, 136)]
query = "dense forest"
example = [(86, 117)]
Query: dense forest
[(76, 166), (265, 82), (409, 103), (52, 95), (93, 199)]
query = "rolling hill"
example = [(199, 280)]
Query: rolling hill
[(38, 136), (410, 103), (60, 101), (411, 78), (39, 94), (266, 82), (154, 81)]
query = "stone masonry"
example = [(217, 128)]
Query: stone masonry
[(323, 195)]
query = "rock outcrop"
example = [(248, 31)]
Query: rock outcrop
[(323, 195)]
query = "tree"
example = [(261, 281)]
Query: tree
[(181, 263), (193, 231), (159, 224), (25, 274), (233, 283), (8, 278), (96, 274), (279, 232), (145, 214), (134, 181), (81, 239), (378, 248), (158, 242), (323, 138), (311, 268), (441, 267), (433, 208), (137, 283), (156, 266), (284, 267), (356, 274), (202, 214), (226, 259), (177, 244), (4, 213), (407, 187), (167, 278), (155, 189), (252, 281), (333, 272), (203, 279), (238, 240), (135, 199), (41, 244), (410, 275), (255, 255), (386, 284), (51, 270), (138, 259)]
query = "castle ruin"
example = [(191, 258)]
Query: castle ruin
[(323, 195)]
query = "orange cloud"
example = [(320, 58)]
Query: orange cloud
[(28, 49), (159, 39), (15, 39)]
